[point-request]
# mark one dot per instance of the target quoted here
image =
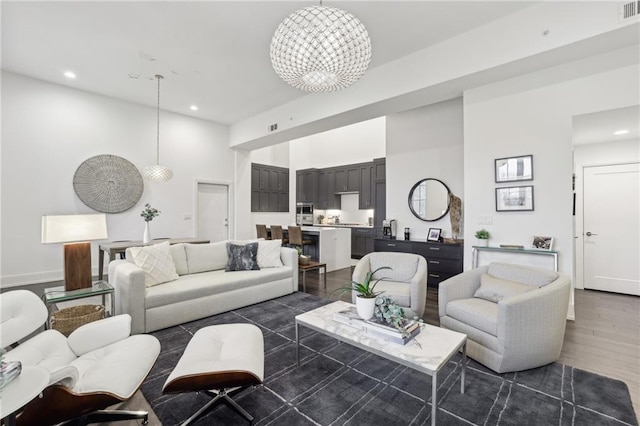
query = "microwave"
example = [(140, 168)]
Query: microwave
[(304, 213)]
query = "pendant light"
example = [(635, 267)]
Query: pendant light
[(320, 49), (156, 172)]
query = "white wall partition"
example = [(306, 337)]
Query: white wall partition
[(423, 143), (48, 130), (533, 114)]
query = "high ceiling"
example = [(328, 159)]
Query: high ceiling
[(212, 54)]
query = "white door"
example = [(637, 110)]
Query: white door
[(611, 234), (213, 211)]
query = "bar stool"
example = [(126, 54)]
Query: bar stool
[(262, 231), (276, 234), (295, 237)]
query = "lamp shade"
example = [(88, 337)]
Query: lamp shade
[(75, 227)]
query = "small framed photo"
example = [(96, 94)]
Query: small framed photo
[(545, 243), (514, 169), (514, 198), (434, 234)]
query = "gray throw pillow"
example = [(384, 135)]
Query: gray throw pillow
[(242, 257)]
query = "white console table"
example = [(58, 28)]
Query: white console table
[(509, 252)]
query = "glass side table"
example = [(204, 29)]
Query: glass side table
[(55, 295)]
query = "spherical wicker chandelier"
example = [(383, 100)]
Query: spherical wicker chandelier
[(320, 49)]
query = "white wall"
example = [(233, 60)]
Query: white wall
[(48, 130), (597, 154), (423, 143), (357, 143), (533, 114)]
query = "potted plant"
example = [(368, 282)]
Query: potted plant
[(365, 293), (148, 214), (302, 258), (483, 237)]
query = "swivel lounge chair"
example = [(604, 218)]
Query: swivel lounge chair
[(97, 366), (405, 283), (514, 316)]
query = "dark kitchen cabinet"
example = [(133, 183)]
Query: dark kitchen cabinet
[(366, 194), (269, 188), (444, 260), (362, 242), (307, 186), (327, 198), (380, 195), (347, 178)]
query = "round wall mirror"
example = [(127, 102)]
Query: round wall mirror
[(429, 199)]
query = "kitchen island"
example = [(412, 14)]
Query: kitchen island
[(332, 245)]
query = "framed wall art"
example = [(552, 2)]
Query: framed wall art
[(434, 234), (544, 243), (514, 198), (514, 169)]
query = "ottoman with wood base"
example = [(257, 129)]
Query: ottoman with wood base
[(217, 360)]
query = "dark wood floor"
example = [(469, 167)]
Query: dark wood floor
[(603, 339)]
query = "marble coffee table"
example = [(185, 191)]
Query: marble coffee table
[(437, 345)]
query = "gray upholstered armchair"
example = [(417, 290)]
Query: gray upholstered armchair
[(514, 316), (405, 283)]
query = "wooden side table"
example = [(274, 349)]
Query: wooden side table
[(312, 266)]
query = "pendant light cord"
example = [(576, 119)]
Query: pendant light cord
[(158, 77)]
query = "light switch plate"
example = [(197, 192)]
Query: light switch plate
[(485, 220)]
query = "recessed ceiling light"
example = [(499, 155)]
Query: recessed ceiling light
[(193, 108), (70, 75), (621, 132)]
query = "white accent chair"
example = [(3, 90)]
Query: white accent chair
[(97, 366), (514, 316), (405, 283)]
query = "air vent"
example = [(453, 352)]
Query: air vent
[(628, 10), (273, 127)]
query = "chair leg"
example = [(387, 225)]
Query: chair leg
[(217, 396), (102, 416)]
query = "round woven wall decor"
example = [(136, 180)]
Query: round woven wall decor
[(108, 183)]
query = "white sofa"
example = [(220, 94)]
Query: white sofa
[(513, 315), (203, 288)]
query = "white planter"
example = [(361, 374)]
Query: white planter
[(483, 242), (365, 306), (146, 237)]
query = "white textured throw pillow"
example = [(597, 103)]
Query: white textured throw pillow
[(156, 262), (495, 289), (269, 253)]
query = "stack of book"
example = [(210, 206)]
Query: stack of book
[(9, 371), (378, 328)]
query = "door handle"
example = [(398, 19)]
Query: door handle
[(590, 234)]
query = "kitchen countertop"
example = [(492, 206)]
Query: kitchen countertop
[(340, 225)]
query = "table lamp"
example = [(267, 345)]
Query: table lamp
[(76, 231)]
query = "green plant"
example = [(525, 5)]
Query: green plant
[(299, 250), (482, 234), (390, 312), (149, 213), (365, 288)]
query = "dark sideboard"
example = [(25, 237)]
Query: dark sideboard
[(444, 260)]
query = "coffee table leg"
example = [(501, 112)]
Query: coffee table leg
[(434, 398), (297, 344), (325, 277), (464, 367)]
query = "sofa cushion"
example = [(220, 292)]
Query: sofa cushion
[(192, 286), (206, 257), (269, 253), (179, 256), (495, 289), (475, 312), (156, 262), (403, 265), (242, 257), (400, 292), (535, 277)]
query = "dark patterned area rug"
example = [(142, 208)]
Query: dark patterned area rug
[(338, 384)]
